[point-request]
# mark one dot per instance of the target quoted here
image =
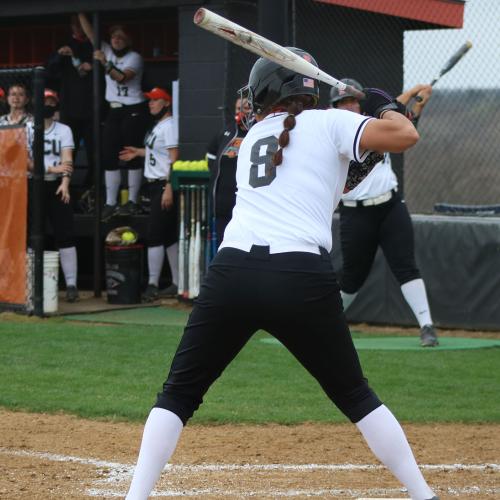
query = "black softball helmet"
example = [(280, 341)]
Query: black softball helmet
[(337, 95), (270, 83)]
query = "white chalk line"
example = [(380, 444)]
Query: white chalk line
[(116, 472)]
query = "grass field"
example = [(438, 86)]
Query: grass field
[(114, 372)]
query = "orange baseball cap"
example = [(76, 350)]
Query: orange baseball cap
[(158, 93), (51, 93)]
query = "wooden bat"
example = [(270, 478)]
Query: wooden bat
[(203, 229), (192, 261), (186, 242), (452, 61), (263, 47), (182, 240), (197, 244)]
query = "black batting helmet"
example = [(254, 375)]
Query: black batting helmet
[(270, 83), (337, 95)]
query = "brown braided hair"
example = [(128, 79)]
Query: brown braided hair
[(293, 106)]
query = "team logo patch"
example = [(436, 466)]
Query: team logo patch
[(233, 148)]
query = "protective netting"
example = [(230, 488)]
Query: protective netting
[(456, 159)]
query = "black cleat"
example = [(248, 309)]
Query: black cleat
[(130, 208), (72, 294), (169, 292), (428, 337), (150, 294)]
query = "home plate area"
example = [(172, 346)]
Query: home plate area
[(60, 457)]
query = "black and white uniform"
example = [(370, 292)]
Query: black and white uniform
[(59, 214), (128, 116), (374, 214), (273, 269), (162, 224), (126, 123)]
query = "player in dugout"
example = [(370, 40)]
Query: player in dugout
[(58, 162)]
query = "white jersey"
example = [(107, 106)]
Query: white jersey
[(7, 120), (380, 180), (158, 141), (290, 207), (56, 138), (129, 92)]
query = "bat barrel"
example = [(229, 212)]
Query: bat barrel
[(199, 16)]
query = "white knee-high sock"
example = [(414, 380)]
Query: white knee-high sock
[(161, 433), (414, 293), (173, 261), (112, 179), (388, 442), (156, 256), (347, 298), (69, 265), (134, 184)]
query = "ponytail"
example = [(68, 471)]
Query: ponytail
[(294, 106)]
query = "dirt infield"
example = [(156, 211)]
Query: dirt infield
[(58, 456)]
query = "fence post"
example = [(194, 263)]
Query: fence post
[(97, 158), (38, 187)]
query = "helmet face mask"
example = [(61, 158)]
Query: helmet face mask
[(246, 118), (337, 95), (270, 83)]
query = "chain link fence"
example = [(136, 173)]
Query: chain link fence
[(21, 154), (456, 159)]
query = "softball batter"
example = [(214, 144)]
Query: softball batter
[(374, 214), (273, 269), (160, 152)]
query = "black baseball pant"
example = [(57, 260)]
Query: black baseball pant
[(162, 224), (125, 126), (58, 214), (293, 296), (363, 229)]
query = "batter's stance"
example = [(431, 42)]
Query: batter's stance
[(273, 270), (373, 214)]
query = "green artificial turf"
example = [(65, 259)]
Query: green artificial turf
[(115, 371)]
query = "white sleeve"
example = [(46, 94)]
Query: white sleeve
[(134, 63), (106, 48), (171, 136), (346, 128), (67, 138)]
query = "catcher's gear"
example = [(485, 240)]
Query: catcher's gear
[(122, 236), (376, 102), (270, 83), (337, 95)]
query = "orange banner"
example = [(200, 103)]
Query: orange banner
[(13, 210)]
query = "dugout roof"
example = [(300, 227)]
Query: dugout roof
[(442, 13), (11, 8)]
